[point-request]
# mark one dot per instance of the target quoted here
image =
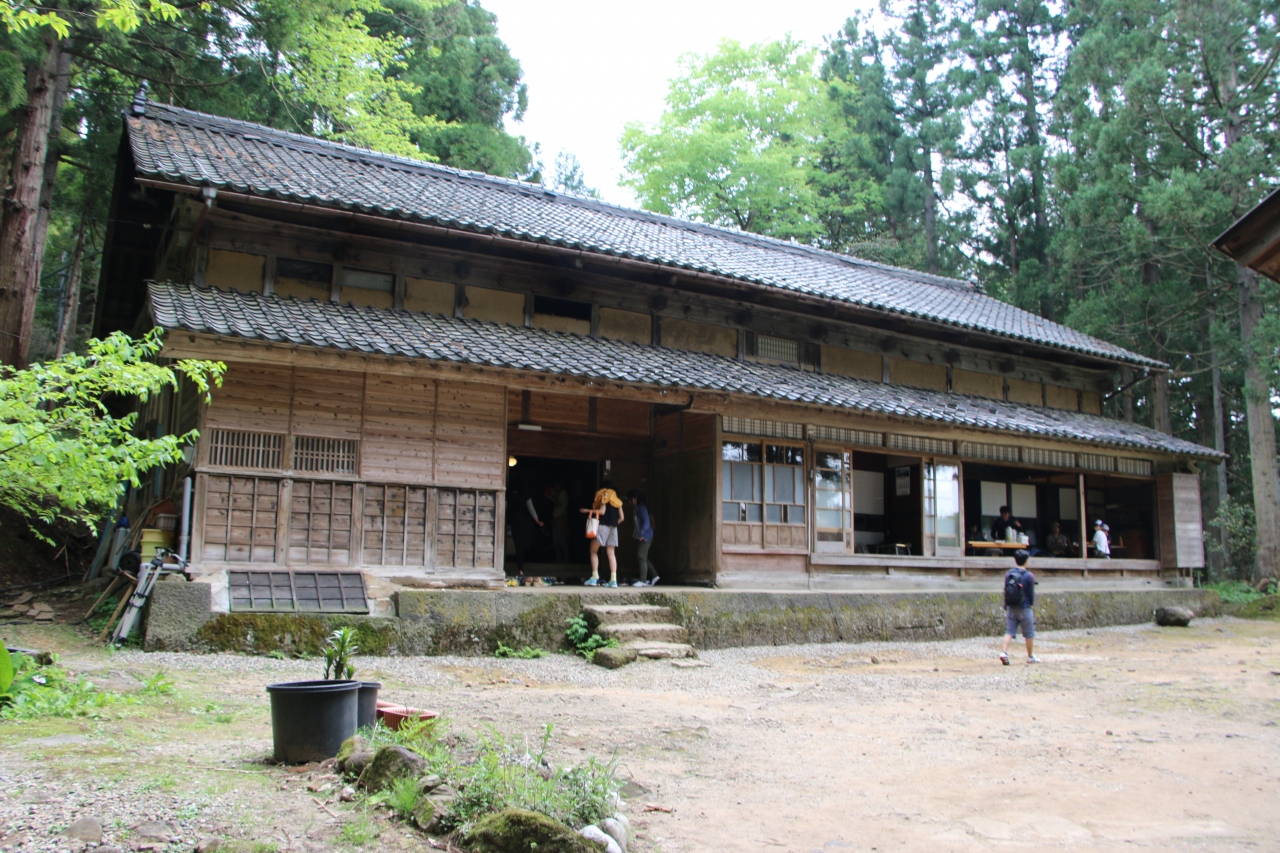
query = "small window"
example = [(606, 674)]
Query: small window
[(235, 449), (304, 270), (762, 483), (554, 307), (325, 455), (368, 280), (777, 349), (307, 592)]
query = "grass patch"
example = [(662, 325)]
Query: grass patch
[(1236, 592), (1262, 607), (524, 653), (584, 641), (358, 831)]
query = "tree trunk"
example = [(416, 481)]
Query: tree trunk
[(930, 213), (61, 82), (1262, 431), (19, 261), (1126, 396), (1161, 417), (71, 305)]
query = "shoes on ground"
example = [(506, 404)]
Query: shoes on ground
[(640, 583), (592, 582), (612, 584), (1033, 659), (654, 581), (1004, 659)]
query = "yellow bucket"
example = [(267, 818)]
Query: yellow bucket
[(153, 538)]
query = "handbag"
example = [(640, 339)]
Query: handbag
[(593, 524)]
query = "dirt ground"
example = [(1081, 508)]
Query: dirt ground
[(1122, 738)]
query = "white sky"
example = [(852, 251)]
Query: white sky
[(594, 65)]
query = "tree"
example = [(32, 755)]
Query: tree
[(63, 454), (737, 142), (568, 176)]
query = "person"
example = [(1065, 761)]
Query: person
[(1019, 604), (1101, 540), (608, 506), (643, 532), (525, 525), (560, 521), (1000, 527), (1058, 543)]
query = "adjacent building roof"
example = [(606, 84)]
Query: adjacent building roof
[(184, 146), (435, 337), (1254, 240)]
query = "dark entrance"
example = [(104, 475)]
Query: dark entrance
[(536, 475)]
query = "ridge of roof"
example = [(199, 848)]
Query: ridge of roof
[(368, 156), (397, 333)]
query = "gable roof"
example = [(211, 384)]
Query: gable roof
[(184, 146), (404, 334)]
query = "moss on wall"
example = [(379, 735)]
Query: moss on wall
[(293, 633)]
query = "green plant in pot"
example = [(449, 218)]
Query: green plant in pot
[(311, 719), (338, 652)]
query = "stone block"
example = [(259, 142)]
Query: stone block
[(175, 614)]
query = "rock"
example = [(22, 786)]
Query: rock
[(615, 830), (632, 789), (443, 797), (208, 845), (614, 658), (348, 748), (599, 836), (425, 814), (429, 783), (87, 829), (390, 763), (1174, 617), (347, 794), (518, 831), (154, 830), (626, 825), (107, 848), (1265, 584)]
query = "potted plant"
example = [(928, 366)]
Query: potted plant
[(311, 719)]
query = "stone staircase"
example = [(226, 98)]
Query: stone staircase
[(647, 628)]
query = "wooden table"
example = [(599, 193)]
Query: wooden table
[(1006, 546)]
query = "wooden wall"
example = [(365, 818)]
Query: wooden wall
[(431, 466), (684, 496), (1178, 519)]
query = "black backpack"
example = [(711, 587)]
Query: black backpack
[(1014, 594)]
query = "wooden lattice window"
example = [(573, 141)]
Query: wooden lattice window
[(990, 452), (773, 429), (1141, 467), (1048, 458), (230, 448), (325, 455), (866, 438), (240, 519), (921, 444), (1097, 462), (320, 523), (465, 525), (395, 526), (311, 592)]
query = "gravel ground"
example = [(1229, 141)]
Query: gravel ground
[(1123, 737)]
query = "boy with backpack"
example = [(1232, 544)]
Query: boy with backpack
[(1019, 599)]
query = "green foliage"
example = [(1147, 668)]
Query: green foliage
[(1235, 592), (737, 141), (583, 640), (338, 652), (157, 685), (524, 653), (122, 15), (502, 775), (63, 454), (401, 797), (35, 691)]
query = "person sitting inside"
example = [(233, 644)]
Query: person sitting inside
[(1101, 540), (1058, 544), (1001, 526)]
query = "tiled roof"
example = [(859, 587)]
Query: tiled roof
[(405, 334), (189, 147)]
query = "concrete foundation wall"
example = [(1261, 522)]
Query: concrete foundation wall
[(474, 622)]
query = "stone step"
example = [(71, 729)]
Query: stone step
[(619, 614), (628, 632), (654, 650)]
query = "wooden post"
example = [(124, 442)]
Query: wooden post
[(1084, 520)]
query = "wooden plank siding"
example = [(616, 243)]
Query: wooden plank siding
[(417, 438)]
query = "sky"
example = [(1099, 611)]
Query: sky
[(594, 65)]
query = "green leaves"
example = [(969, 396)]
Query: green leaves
[(339, 650), (737, 141), (64, 452)]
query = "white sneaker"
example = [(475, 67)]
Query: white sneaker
[(1004, 659), (654, 581), (1033, 659), (639, 583)]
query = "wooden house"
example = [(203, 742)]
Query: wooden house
[(404, 338)]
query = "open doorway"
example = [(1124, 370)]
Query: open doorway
[(536, 478)]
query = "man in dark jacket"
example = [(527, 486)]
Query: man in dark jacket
[(1019, 601)]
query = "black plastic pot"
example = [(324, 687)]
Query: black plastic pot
[(311, 719), (367, 703)]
